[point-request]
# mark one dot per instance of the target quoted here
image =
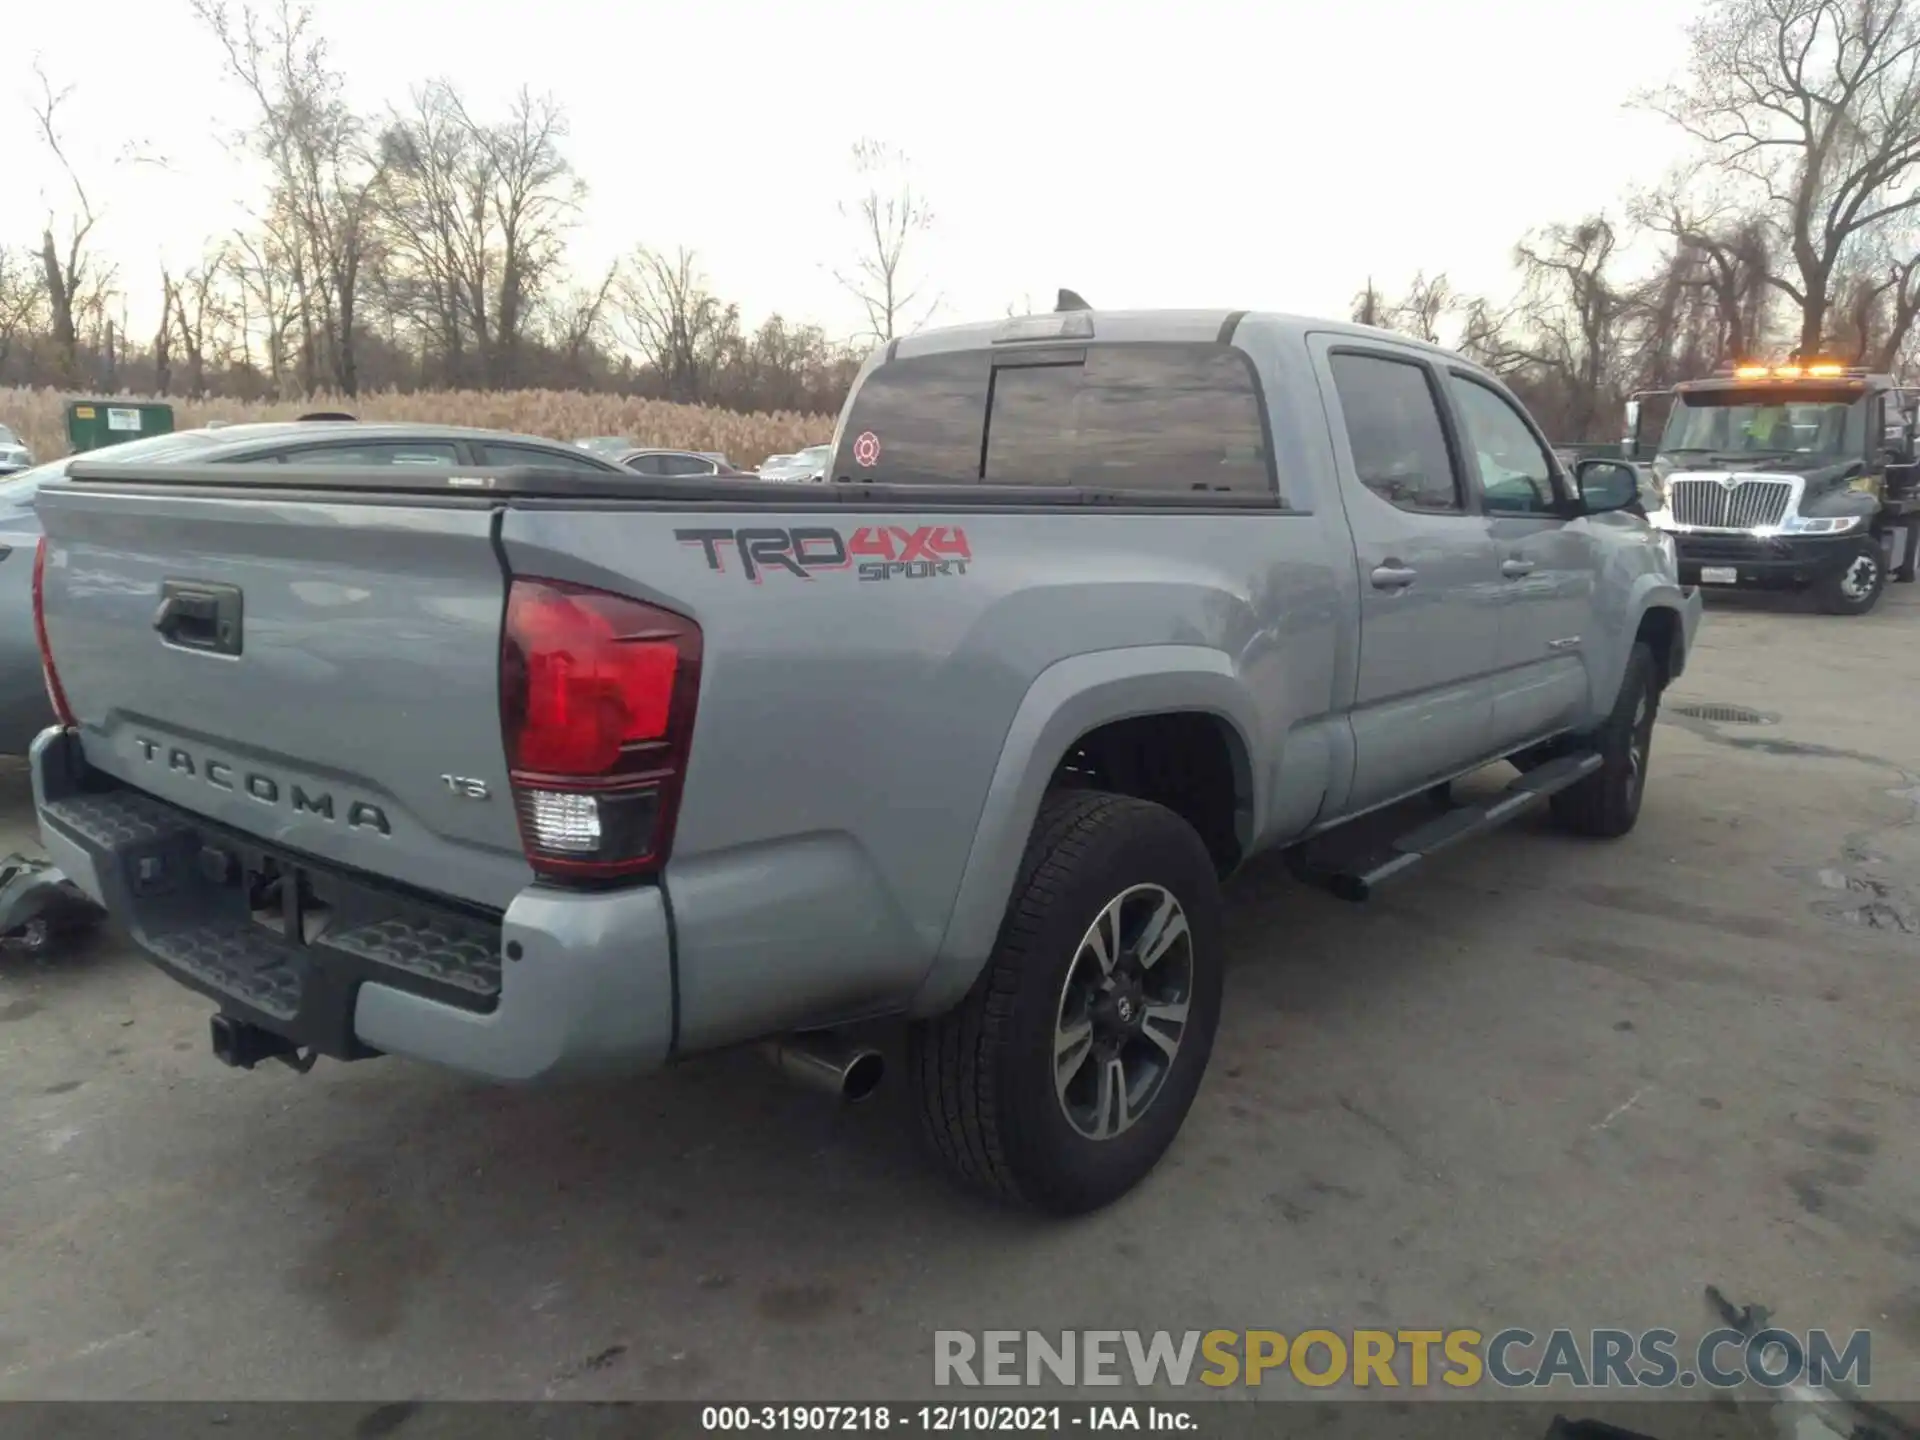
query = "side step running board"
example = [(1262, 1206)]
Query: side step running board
[(1358, 881)]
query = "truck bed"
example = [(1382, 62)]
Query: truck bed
[(878, 665)]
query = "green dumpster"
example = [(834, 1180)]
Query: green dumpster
[(93, 424)]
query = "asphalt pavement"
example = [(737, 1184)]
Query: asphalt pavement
[(1543, 1082)]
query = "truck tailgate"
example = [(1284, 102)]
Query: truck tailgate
[(321, 673)]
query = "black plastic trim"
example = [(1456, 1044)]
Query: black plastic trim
[(330, 985), (724, 496)]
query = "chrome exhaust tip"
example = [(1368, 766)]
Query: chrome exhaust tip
[(823, 1061)]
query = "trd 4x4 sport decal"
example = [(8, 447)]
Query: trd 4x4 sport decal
[(873, 552)]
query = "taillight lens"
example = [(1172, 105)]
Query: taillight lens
[(61, 710), (597, 694)]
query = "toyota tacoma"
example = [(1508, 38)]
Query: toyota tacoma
[(530, 772)]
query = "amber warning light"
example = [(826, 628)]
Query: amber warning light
[(1817, 370)]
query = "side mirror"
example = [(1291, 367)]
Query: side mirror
[(1899, 443), (1607, 485), (1630, 442)]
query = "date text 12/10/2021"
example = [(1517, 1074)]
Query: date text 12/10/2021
[(949, 1419)]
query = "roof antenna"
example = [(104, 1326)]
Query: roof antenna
[(1070, 301)]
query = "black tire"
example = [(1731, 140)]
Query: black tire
[(1607, 803), (984, 1072), (1856, 585)]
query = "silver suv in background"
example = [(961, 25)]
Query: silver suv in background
[(807, 466), (14, 454)]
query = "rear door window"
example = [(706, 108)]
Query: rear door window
[(1394, 430)]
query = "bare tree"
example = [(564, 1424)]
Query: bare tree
[(576, 324), (76, 282), (1487, 335), (536, 196), (23, 294), (200, 313), (475, 215), (323, 176), (668, 315), (266, 264), (1722, 247), (1369, 307), (1815, 105), (1421, 310), (888, 215), (432, 206), (163, 336), (1572, 311)]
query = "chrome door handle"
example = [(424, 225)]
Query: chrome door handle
[(1514, 569), (1392, 577)]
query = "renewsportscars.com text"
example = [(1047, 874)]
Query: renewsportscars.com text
[(1461, 1359)]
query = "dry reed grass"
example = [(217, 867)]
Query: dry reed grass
[(39, 418)]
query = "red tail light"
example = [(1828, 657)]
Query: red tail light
[(61, 710), (597, 695)]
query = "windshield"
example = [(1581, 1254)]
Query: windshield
[(17, 489), (1736, 423), (815, 454), (7, 437)]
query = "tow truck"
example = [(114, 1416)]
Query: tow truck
[(1800, 475)]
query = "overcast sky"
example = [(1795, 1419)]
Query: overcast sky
[(1252, 155)]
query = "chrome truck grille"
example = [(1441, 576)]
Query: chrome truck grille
[(1743, 505)]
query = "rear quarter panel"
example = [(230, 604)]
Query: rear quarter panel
[(851, 731)]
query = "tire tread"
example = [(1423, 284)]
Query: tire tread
[(1595, 805), (954, 1054)]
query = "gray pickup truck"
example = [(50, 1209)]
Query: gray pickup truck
[(529, 773)]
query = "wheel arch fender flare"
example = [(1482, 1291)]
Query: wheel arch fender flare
[(1648, 595), (1066, 701)]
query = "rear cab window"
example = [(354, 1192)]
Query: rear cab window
[(1136, 417), (408, 452), (494, 453)]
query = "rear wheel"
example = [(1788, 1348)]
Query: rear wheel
[(1854, 588), (1062, 1077), (1607, 803)]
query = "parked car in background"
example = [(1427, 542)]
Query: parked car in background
[(811, 465), (803, 467), (678, 463), (608, 445), (24, 708), (14, 454)]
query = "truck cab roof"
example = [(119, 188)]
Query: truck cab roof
[(1122, 326)]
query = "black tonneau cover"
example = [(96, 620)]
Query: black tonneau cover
[(483, 484)]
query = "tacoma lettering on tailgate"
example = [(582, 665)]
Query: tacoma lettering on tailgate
[(267, 789), (873, 552)]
